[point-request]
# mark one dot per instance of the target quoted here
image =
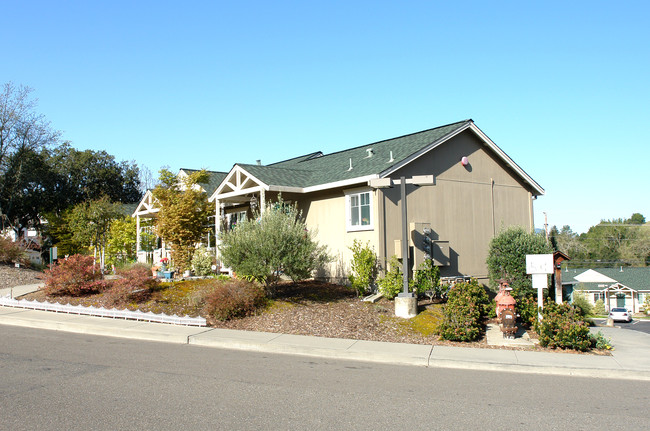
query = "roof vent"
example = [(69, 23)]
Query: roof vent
[(391, 158), (350, 168), (370, 153), (259, 162)]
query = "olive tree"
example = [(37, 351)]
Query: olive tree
[(273, 243)]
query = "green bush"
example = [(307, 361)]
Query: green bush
[(562, 327), (76, 275), (393, 282), (599, 341), (528, 310), (234, 298), (507, 259), (202, 262), (427, 278), (467, 304), (277, 242), (364, 268), (581, 302), (599, 308)]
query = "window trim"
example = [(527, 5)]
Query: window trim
[(348, 210)]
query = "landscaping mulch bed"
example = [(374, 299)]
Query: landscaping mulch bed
[(307, 308), (10, 276)]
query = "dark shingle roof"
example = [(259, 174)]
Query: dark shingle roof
[(215, 178), (637, 278), (316, 168)]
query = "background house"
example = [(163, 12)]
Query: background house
[(148, 207), (478, 191), (624, 287)]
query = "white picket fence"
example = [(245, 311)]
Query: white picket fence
[(114, 313)]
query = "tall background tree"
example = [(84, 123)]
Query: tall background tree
[(90, 223), (183, 217), (610, 243), (24, 135)]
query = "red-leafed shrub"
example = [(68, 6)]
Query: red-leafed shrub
[(134, 284), (12, 252), (236, 298), (76, 275)]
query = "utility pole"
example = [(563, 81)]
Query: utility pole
[(546, 225)]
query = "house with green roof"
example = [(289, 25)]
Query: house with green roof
[(148, 207), (624, 287), (476, 190)]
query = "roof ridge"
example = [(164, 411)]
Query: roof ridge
[(391, 139)]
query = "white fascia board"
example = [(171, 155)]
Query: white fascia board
[(507, 159), (144, 213), (286, 189), (138, 209), (217, 193), (241, 192), (423, 151), (342, 183)]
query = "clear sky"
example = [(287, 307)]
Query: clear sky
[(562, 87)]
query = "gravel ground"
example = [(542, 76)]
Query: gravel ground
[(11, 276)]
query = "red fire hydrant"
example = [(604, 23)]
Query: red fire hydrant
[(503, 299)]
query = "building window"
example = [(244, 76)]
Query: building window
[(359, 211)]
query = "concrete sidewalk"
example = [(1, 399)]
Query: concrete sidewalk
[(630, 360)]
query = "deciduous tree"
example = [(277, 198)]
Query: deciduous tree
[(183, 217)]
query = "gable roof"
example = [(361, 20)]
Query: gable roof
[(637, 278), (355, 165), (214, 179)]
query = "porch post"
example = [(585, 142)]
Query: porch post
[(217, 226), (137, 236), (262, 201)]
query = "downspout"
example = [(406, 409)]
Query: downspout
[(494, 227)]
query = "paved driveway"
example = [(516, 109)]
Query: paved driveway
[(641, 325)]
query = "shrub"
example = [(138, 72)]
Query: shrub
[(234, 298), (74, 276), (582, 304), (599, 308), (276, 243), (599, 341), (427, 278), (134, 284), (202, 262), (12, 252), (393, 282), (562, 327), (507, 259), (465, 311), (527, 309), (364, 268)]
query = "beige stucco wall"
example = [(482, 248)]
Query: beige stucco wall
[(465, 207), (325, 212)]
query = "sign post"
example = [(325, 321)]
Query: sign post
[(539, 266)]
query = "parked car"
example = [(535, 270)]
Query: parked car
[(620, 314)]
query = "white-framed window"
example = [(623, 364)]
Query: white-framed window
[(358, 208), (234, 218)]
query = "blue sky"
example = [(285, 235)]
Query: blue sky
[(561, 87)]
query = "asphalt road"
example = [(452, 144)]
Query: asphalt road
[(641, 325), (53, 381)]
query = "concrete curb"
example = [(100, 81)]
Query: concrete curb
[(434, 357)]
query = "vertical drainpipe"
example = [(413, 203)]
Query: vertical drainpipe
[(494, 226), (530, 212)]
